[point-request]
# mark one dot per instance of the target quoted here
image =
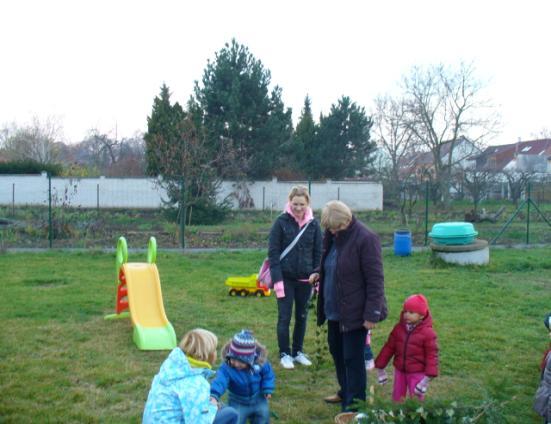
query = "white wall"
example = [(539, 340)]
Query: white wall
[(145, 192), (359, 195), (81, 192)]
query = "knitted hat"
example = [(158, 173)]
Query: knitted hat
[(547, 321), (243, 348), (417, 303)]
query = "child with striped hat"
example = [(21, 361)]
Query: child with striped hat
[(247, 376)]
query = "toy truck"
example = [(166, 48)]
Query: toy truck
[(245, 286)]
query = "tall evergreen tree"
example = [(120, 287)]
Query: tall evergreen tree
[(344, 146), (305, 141), (163, 123), (241, 117), (273, 137)]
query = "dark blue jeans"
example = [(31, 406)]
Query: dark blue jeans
[(298, 293), (226, 415), (257, 412), (347, 350)]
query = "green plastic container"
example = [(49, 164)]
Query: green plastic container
[(453, 233)]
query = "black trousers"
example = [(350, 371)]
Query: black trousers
[(347, 350), (297, 293)]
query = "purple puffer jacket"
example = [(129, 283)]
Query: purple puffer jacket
[(359, 277)]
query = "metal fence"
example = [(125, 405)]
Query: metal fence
[(41, 211), (93, 213)]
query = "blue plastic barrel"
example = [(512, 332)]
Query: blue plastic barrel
[(402, 242)]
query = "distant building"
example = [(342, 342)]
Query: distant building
[(522, 161), (526, 156), (419, 164)]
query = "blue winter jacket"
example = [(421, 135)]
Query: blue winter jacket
[(245, 386), (179, 393)]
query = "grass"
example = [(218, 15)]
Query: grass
[(61, 362)]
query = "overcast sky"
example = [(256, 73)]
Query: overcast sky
[(99, 64)]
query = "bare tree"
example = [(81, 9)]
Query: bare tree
[(131, 157), (445, 104), (477, 183), (101, 154), (394, 137), (517, 181), (4, 134), (544, 132), (410, 193), (98, 150), (188, 161), (36, 140)]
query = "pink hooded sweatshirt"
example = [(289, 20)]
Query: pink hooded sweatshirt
[(308, 215)]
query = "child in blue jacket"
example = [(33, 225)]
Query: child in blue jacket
[(248, 377), (180, 390)]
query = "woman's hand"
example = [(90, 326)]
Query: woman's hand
[(314, 278), (368, 325)]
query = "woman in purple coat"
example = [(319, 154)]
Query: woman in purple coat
[(351, 296)]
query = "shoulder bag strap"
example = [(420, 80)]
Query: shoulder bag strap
[(295, 241)]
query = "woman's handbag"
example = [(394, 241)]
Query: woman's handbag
[(264, 276)]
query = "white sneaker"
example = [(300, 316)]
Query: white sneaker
[(370, 364), (287, 362), (302, 359)]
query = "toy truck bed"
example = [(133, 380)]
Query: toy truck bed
[(244, 286)]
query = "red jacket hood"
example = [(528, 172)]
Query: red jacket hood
[(425, 322)]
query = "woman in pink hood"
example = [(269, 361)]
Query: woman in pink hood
[(294, 274)]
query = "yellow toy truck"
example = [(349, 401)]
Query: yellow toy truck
[(245, 286)]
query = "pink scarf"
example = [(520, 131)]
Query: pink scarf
[(308, 215)]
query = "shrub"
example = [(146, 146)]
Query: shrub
[(203, 212), (30, 167), (430, 411)]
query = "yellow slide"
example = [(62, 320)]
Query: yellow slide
[(152, 330)]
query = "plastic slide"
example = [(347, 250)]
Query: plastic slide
[(152, 330), (139, 294)]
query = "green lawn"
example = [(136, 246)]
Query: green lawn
[(60, 361)]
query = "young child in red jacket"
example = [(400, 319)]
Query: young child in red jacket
[(413, 345)]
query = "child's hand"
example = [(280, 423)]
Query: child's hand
[(422, 387), (382, 378), (214, 401), (268, 395), (314, 278)]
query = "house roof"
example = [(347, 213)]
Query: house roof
[(425, 159), (498, 157)]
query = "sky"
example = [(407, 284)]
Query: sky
[(99, 64)]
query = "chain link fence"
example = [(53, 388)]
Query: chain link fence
[(36, 211), (497, 218), (39, 211)]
